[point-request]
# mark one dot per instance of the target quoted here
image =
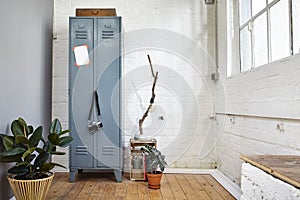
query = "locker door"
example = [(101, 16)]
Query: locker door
[(81, 91), (107, 82)]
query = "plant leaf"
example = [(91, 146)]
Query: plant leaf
[(47, 167), (8, 142), (22, 163), (55, 126), (31, 157), (15, 128), (65, 141), (36, 137), (9, 159), (19, 170), (21, 139), (53, 138), (28, 152), (21, 121), (58, 153), (64, 132), (41, 159), (12, 152), (40, 150), (23, 125)]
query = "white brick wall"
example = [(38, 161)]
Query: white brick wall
[(257, 184), (181, 47), (254, 104)]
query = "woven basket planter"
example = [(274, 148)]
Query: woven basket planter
[(30, 189)]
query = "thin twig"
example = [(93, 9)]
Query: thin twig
[(152, 71), (152, 97)]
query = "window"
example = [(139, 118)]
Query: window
[(269, 30)]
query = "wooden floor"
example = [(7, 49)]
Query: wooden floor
[(92, 186)]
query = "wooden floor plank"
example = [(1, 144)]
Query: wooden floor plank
[(77, 187), (173, 187), (56, 187), (208, 188), (165, 188), (109, 191), (199, 191), (155, 194), (57, 176), (120, 191), (218, 187), (143, 191), (132, 192), (87, 189), (98, 190), (190, 193)]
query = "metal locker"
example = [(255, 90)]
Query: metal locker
[(94, 94)]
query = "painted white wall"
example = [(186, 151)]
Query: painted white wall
[(253, 105), (180, 38), (25, 78), (259, 185)]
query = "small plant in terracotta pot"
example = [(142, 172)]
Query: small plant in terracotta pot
[(156, 164)]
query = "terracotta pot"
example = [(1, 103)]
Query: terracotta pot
[(30, 189), (154, 180)]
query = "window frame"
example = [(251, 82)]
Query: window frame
[(249, 25)]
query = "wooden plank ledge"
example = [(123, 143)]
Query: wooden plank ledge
[(284, 167)]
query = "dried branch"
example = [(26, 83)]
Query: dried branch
[(155, 76), (152, 71)]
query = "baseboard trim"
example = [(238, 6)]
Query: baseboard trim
[(231, 187), (188, 171)]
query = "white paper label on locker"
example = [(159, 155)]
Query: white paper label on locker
[(81, 55)]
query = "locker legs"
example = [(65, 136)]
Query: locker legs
[(118, 175), (72, 175)]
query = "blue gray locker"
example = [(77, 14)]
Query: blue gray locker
[(94, 94)]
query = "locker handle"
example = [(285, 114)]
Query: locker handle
[(107, 26), (81, 25)]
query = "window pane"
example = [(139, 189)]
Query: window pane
[(245, 45), (245, 10), (296, 26), (260, 40), (257, 6), (279, 26)]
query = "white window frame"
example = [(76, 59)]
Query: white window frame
[(249, 23)]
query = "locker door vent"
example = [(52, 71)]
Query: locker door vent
[(81, 150), (107, 34), (81, 35), (108, 150)]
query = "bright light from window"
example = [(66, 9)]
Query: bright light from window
[(260, 40), (296, 26), (280, 34), (245, 42), (257, 6), (245, 11)]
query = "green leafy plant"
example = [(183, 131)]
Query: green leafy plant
[(155, 160), (31, 151)]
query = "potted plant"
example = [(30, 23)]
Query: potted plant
[(155, 165), (30, 178)]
